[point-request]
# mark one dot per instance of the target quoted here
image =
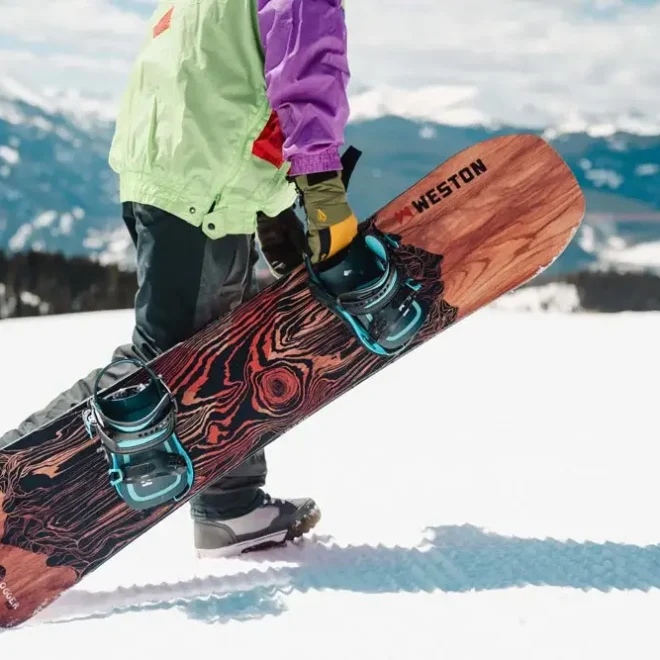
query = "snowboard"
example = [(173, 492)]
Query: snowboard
[(480, 225)]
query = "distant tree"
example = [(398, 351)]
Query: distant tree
[(51, 283)]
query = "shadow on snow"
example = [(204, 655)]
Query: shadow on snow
[(450, 559)]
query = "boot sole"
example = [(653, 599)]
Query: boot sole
[(274, 540)]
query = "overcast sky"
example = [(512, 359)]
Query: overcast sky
[(591, 54)]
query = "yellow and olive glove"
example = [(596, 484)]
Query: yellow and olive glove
[(331, 223)]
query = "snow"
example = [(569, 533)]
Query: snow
[(645, 255), (647, 169), (443, 104), (10, 113), (465, 105), (110, 246), (45, 219), (13, 89), (611, 250), (603, 177), (600, 177), (33, 300), (459, 104), (66, 223), (602, 125), (42, 123), (80, 106), (493, 494), (71, 102), (9, 155), (19, 240), (554, 297), (587, 238), (427, 133)]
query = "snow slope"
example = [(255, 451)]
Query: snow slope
[(504, 504)]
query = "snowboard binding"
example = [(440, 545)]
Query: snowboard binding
[(370, 294), (364, 288), (148, 466)]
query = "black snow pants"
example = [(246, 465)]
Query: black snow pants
[(185, 280)]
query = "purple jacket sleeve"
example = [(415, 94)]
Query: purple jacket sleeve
[(306, 68)]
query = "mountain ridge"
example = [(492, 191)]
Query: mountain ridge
[(57, 192)]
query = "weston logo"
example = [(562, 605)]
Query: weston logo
[(444, 189), (10, 601)]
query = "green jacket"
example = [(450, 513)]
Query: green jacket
[(194, 108)]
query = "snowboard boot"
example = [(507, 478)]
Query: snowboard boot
[(374, 298), (272, 523)]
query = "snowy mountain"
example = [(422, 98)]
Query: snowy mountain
[(86, 111), (511, 512), (58, 193), (619, 173), (463, 105)]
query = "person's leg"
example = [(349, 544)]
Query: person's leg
[(187, 281)]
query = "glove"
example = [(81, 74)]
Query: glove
[(282, 240), (331, 223)]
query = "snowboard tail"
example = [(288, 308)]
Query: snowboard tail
[(481, 224)]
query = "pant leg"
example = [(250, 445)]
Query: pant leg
[(236, 493), (185, 280)]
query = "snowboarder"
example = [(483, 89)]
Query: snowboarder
[(234, 111)]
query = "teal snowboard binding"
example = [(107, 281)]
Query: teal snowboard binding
[(367, 291), (363, 287), (148, 466)]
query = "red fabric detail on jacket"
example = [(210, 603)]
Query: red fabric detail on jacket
[(164, 23), (268, 146)]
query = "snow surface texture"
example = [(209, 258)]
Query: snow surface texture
[(503, 505)]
